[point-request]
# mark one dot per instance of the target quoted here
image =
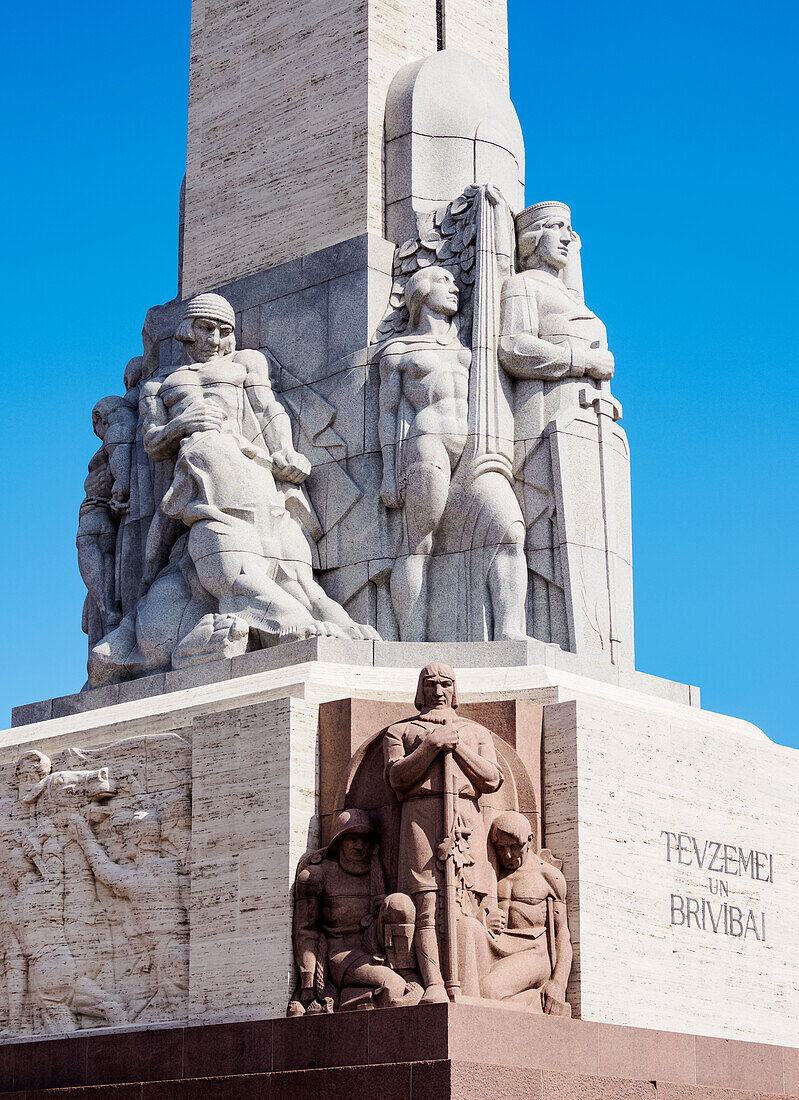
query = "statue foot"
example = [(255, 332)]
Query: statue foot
[(366, 633), (512, 636), (296, 632), (435, 994)]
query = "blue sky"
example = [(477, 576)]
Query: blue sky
[(669, 129)]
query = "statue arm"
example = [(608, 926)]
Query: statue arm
[(481, 768), (522, 352), (108, 872), (404, 772), (161, 437), (390, 397), (306, 924), (272, 419), (555, 989), (553, 993)]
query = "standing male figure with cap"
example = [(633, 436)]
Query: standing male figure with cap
[(428, 757)]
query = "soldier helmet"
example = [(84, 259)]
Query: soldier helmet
[(347, 823)]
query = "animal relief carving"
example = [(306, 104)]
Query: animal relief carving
[(94, 888)]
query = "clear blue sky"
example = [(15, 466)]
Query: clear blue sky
[(670, 130)]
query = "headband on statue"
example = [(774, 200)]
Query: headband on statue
[(540, 212)]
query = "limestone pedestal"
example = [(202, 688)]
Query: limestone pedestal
[(677, 827)]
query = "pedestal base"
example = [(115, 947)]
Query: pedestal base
[(677, 829), (438, 1052)]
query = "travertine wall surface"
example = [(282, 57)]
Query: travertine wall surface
[(680, 842), (286, 104), (480, 27), (631, 779)]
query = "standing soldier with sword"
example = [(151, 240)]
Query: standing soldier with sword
[(439, 766)]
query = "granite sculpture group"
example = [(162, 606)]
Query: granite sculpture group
[(197, 536), (465, 907)]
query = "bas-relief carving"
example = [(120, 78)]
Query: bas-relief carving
[(479, 911), (227, 561), (94, 887)]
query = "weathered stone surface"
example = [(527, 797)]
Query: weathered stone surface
[(449, 124), (276, 169)]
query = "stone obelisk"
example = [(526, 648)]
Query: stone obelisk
[(286, 112), (380, 364)]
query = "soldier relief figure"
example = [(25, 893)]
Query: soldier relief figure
[(89, 939), (353, 943), (475, 910)]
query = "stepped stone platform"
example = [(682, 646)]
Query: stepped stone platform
[(407, 655), (435, 1052)]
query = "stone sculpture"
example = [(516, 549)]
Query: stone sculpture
[(353, 944), (93, 899), (528, 951), (107, 489), (439, 766), (570, 465), (476, 909), (542, 447), (226, 557), (428, 469), (58, 991)]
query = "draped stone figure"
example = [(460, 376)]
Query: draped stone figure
[(571, 459), (242, 563)]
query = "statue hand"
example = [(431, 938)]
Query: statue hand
[(443, 738), (201, 418), (389, 495), (600, 364), (496, 920), (289, 465), (553, 995)]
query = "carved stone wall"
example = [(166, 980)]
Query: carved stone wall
[(95, 886)]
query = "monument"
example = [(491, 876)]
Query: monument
[(261, 852)]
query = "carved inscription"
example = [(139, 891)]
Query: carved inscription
[(721, 862)]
